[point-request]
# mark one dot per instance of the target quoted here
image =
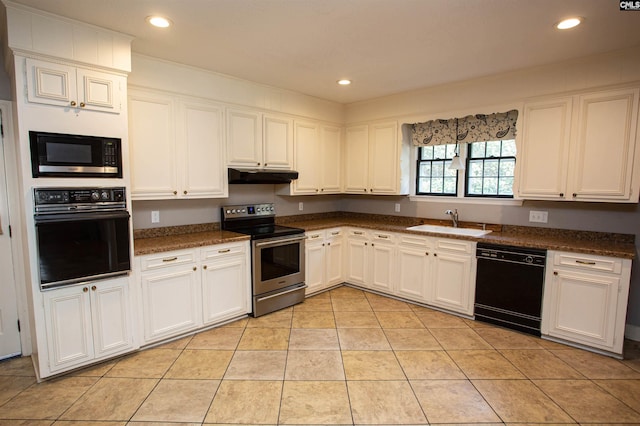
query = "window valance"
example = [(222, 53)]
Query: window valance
[(472, 128)]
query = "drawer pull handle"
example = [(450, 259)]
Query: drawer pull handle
[(335, 233), (383, 236), (224, 251), (357, 233), (315, 236), (170, 259), (584, 262)]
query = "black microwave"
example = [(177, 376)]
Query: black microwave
[(63, 155)]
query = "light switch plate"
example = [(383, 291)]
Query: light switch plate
[(155, 216), (300, 206), (397, 207), (538, 216)]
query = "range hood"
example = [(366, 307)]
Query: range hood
[(261, 176)]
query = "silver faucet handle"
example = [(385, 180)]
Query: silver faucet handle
[(449, 211)]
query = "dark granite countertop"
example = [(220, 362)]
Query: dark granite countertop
[(157, 240)]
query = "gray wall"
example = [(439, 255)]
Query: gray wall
[(5, 82)]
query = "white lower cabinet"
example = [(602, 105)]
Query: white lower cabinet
[(188, 289), (371, 259), (357, 256), (453, 275), (383, 262), (324, 251), (414, 267), (585, 299), (88, 322), (435, 271), (170, 299), (225, 283)]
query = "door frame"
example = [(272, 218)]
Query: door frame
[(16, 215)]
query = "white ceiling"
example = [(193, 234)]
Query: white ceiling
[(384, 46)]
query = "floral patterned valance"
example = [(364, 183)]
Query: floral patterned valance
[(472, 128)]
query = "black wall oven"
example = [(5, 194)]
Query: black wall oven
[(82, 234)]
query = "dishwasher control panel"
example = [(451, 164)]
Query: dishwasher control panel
[(535, 257)]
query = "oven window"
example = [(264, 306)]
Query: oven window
[(280, 261), (73, 250)]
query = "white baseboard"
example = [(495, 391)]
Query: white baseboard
[(632, 332)]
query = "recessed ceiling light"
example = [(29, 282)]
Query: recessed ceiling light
[(159, 21), (344, 82), (566, 24)]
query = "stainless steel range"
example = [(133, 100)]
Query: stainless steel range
[(277, 256)]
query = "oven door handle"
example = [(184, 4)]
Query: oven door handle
[(283, 293), (72, 217), (280, 242)]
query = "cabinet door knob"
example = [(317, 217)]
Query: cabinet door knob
[(204, 267), (328, 244), (94, 288), (185, 192), (555, 272), (258, 164), (265, 164), (84, 289), (574, 195), (562, 194), (175, 192), (194, 268), (372, 244), (73, 103), (322, 244), (427, 253), (364, 189), (82, 105), (435, 254)]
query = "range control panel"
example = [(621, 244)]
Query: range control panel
[(248, 210)]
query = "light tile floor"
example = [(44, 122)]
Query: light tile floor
[(341, 357)]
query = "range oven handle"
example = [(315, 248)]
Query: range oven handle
[(283, 293), (280, 242), (72, 217)]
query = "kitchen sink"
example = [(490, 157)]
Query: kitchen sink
[(439, 229)]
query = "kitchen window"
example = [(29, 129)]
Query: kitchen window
[(489, 170), (434, 175)]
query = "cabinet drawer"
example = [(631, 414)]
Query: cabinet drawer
[(587, 262), (457, 246), (213, 252), (412, 240), (357, 233), (315, 236), (167, 259), (333, 233), (383, 237)]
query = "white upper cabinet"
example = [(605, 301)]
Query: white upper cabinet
[(356, 165), (544, 153), (330, 155), (580, 148), (75, 88), (277, 142), (256, 140), (177, 148), (317, 148), (373, 159)]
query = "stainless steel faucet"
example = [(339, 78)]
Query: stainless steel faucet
[(454, 216)]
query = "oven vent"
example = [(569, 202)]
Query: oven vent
[(257, 176)]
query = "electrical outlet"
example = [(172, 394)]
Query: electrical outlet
[(538, 216), (155, 216), (300, 206), (397, 207)]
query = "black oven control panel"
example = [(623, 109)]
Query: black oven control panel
[(69, 199), (248, 211)]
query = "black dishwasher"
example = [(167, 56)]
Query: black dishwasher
[(509, 282)]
